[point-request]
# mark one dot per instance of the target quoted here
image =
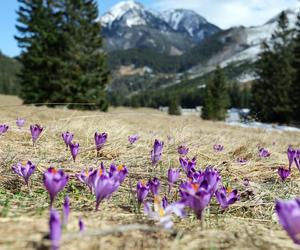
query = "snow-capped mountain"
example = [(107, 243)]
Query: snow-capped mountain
[(255, 36), (130, 25), (189, 23)]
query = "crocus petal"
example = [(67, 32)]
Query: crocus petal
[(283, 173), (74, 148)]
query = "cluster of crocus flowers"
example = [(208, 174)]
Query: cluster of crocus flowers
[(67, 137), (289, 217), (263, 153), (218, 147), (104, 183), (20, 122), (74, 148), (156, 152), (36, 131), (54, 181), (133, 138), (283, 173), (198, 191), (182, 150), (3, 129), (24, 170), (162, 212), (100, 140)]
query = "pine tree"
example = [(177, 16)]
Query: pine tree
[(271, 92), (296, 64), (62, 57), (174, 108), (216, 100)]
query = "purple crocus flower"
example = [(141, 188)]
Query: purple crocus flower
[(283, 173), (142, 190), (85, 177), (133, 138), (173, 176), (103, 184), (289, 217), (263, 153), (156, 153), (210, 180), (25, 170), (218, 147), (187, 164), (154, 186), (81, 225), (119, 172), (67, 137), (182, 150), (74, 148), (55, 229), (100, 140), (195, 197), (35, 130), (54, 181), (3, 129), (66, 210), (20, 122), (292, 154), (226, 197)]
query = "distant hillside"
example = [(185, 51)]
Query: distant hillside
[(9, 69)]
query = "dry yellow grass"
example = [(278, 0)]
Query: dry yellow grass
[(248, 224)]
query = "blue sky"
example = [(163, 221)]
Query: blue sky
[(224, 13)]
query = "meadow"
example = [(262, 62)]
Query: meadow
[(250, 223)]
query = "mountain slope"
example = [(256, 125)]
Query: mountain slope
[(189, 23)]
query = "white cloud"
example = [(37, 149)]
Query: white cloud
[(227, 13)]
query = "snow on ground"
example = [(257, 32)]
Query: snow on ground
[(233, 119)]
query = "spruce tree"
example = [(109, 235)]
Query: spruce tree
[(216, 100), (271, 92), (174, 108), (62, 57), (295, 91)]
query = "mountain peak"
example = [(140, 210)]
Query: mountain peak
[(119, 10)]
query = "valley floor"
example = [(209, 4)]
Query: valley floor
[(248, 224)]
